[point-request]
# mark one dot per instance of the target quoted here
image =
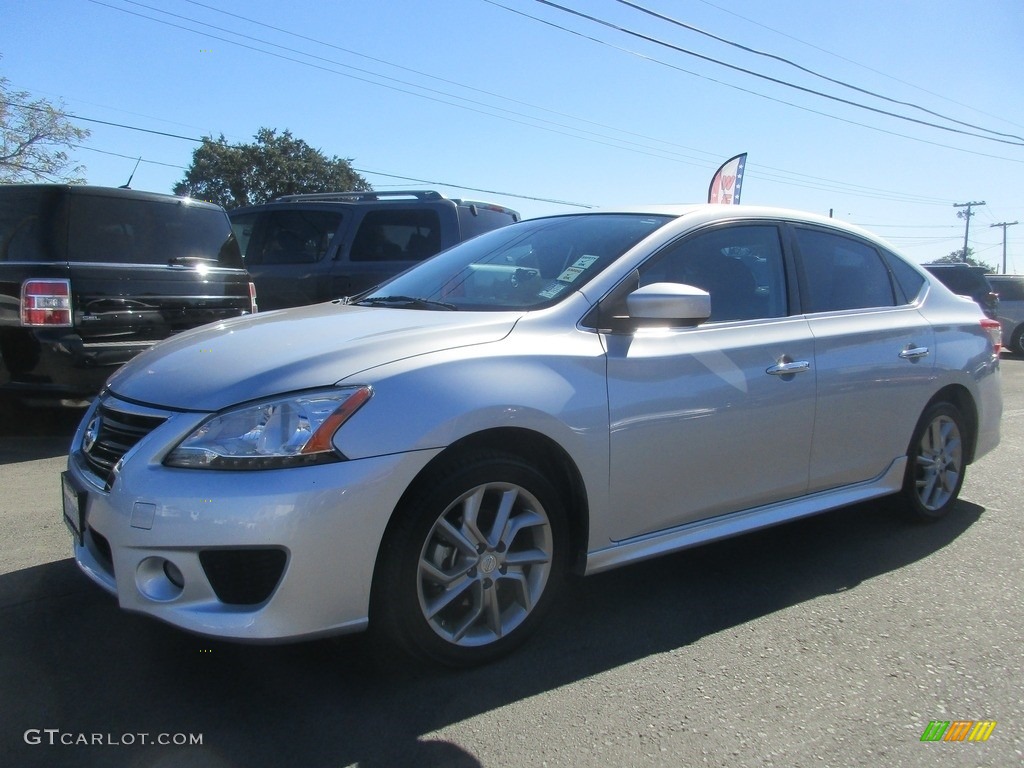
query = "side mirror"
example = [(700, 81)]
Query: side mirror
[(672, 304)]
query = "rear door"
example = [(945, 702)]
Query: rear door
[(874, 354)]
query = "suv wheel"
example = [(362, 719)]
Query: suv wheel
[(1017, 343)]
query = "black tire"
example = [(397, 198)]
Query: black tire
[(1017, 344), (453, 588), (935, 464)]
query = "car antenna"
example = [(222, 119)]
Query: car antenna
[(128, 184)]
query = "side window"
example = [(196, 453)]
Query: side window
[(243, 226), (740, 266), (842, 273), (30, 223), (289, 237), (397, 235), (1009, 290), (910, 280)]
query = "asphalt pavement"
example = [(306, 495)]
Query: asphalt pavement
[(833, 641)]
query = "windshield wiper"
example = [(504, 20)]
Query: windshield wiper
[(409, 302)]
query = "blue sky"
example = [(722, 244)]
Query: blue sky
[(469, 96)]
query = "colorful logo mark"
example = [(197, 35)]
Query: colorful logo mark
[(958, 730)]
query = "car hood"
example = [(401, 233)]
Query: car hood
[(267, 354)]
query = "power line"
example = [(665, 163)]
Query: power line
[(475, 189), (603, 140), (888, 75), (768, 78), (830, 185), (637, 148), (129, 157), (715, 156), (802, 68), (70, 116), (458, 84), (748, 91)]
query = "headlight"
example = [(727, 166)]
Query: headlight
[(287, 432)]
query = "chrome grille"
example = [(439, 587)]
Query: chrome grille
[(111, 434)]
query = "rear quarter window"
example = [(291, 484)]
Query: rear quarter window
[(909, 279), (32, 224)]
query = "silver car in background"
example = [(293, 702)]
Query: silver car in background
[(566, 394)]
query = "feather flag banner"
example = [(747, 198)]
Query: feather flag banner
[(727, 181)]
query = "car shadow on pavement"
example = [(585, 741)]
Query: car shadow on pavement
[(71, 660), (30, 432)]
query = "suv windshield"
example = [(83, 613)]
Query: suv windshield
[(528, 265)]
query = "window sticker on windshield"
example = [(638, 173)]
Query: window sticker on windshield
[(552, 290), (577, 269)]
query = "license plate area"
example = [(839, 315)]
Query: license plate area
[(74, 507)]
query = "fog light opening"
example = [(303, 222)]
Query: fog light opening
[(159, 579), (173, 574)]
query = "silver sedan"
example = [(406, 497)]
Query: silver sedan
[(568, 394)]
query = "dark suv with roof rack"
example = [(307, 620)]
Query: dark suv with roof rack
[(968, 280), (305, 249), (91, 276)]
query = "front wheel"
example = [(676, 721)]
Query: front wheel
[(935, 468), (472, 561)]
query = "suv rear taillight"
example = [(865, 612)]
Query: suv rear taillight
[(995, 332), (46, 302), (254, 308)]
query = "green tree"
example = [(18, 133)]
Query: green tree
[(958, 257), (234, 175), (35, 137)]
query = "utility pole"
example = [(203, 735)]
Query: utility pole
[(966, 215), (1004, 225)]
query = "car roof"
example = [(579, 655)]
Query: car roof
[(121, 192), (698, 213)]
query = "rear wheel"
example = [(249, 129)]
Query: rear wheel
[(935, 468), (472, 562), (1017, 344)]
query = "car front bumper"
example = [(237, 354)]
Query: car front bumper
[(259, 555)]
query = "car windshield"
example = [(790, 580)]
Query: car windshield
[(524, 266)]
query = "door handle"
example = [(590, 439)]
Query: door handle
[(789, 367), (914, 353)]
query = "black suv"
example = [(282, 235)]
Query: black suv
[(968, 280), (91, 276), (304, 249)]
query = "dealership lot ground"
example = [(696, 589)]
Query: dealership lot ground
[(830, 642)]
